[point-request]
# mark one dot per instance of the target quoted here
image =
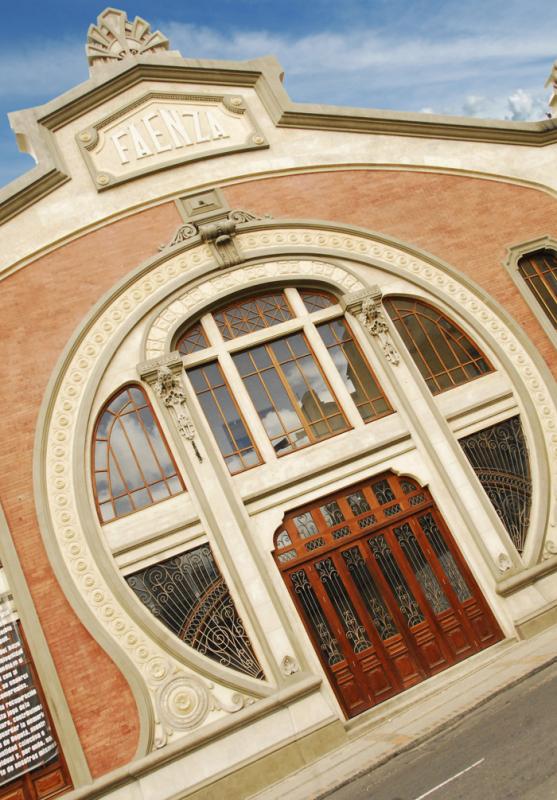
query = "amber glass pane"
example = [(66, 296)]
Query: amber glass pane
[(192, 340), (252, 314), (289, 391), (315, 301), (443, 353), (354, 370), (224, 418), (132, 465), (539, 270)]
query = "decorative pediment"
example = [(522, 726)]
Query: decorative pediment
[(115, 38)]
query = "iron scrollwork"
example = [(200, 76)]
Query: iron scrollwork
[(499, 458), (188, 594)]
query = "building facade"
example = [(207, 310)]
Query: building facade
[(279, 434)]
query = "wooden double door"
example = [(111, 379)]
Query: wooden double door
[(383, 591)]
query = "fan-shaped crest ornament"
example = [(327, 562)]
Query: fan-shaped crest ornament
[(114, 38)]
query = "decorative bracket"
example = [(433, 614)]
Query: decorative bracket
[(219, 234), (366, 306), (163, 375)]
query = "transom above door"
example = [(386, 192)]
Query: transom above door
[(382, 589)]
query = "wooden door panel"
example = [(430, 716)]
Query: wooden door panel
[(387, 598), (350, 689)]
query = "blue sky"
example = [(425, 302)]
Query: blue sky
[(485, 58)]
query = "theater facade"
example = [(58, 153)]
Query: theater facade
[(279, 430)]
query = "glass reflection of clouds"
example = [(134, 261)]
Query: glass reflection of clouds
[(132, 465)]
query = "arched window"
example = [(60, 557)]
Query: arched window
[(286, 380), (132, 465), (539, 270), (443, 353)]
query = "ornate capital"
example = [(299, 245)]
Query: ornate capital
[(163, 374), (148, 370), (114, 38), (366, 305)]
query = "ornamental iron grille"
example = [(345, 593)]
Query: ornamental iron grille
[(539, 270), (188, 594), (444, 354), (132, 464), (381, 588), (499, 457)]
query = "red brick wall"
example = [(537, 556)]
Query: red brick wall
[(41, 306), (467, 222)]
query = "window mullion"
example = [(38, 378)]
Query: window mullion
[(244, 401), (323, 357), (291, 394)]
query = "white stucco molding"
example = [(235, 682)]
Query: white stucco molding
[(534, 383), (34, 127), (275, 253), (514, 254)]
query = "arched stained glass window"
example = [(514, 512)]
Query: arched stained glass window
[(539, 270), (132, 465), (443, 353)]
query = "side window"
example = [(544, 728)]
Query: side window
[(132, 465), (539, 270), (444, 354)]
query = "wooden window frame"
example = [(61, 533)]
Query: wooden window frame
[(292, 396), (211, 391), (433, 377), (128, 493)]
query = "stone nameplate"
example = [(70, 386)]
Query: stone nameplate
[(25, 738), (161, 130)]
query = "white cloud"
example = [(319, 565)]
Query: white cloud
[(525, 105)]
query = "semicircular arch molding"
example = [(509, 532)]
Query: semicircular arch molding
[(308, 252)]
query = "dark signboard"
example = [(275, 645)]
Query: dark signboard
[(26, 741)]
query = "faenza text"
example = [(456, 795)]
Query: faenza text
[(163, 130)]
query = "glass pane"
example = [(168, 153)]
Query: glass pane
[(224, 417), (369, 593), (436, 344), (394, 577), (188, 595), (358, 504), (315, 301), (353, 628), (353, 369), (328, 645), (255, 313), (332, 514), (143, 452), (305, 525), (429, 584), (192, 340), (499, 457), (137, 455), (451, 570)]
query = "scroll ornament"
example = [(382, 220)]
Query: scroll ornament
[(374, 321), (168, 388)]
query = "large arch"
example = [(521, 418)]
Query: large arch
[(271, 252)]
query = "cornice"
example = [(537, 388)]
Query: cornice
[(34, 127)]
